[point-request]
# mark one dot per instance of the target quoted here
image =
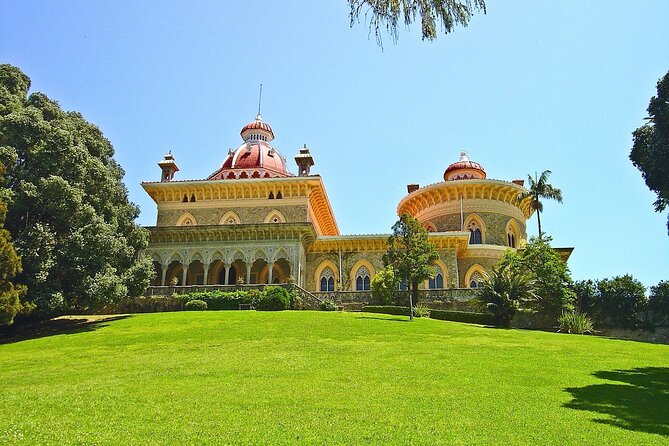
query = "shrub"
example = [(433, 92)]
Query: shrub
[(464, 316), (274, 298), (575, 322), (384, 285), (327, 305), (505, 291), (223, 300), (620, 302), (387, 309), (421, 311), (195, 305)]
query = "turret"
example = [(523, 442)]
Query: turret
[(168, 166), (304, 161)]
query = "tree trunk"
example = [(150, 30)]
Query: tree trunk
[(414, 293), (539, 221)]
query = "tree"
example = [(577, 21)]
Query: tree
[(650, 151), (69, 213), (504, 292), (620, 302), (389, 13), (384, 285), (10, 266), (540, 188), (658, 302), (549, 272), (411, 254)]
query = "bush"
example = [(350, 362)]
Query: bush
[(387, 309), (620, 302), (274, 298), (384, 285), (224, 300), (463, 316), (575, 322), (195, 305), (658, 302), (421, 311), (327, 305)]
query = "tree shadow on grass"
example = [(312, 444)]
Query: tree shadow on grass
[(62, 325), (636, 400), (379, 318)]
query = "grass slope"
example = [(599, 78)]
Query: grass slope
[(328, 378)]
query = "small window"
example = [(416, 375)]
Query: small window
[(192, 198), (279, 196), (185, 200), (437, 282), (475, 235), (271, 196), (476, 281), (327, 280), (362, 279)]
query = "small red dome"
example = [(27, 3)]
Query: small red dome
[(464, 169), (258, 124)]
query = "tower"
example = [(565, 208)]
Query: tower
[(304, 161), (168, 166)]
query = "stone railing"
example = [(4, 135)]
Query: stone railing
[(166, 291)]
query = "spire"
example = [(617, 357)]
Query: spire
[(259, 116), (463, 155)]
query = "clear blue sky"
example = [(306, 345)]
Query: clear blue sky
[(532, 85)]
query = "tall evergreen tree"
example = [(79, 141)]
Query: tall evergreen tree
[(411, 254), (69, 214)]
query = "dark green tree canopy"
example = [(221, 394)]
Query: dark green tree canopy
[(390, 14), (650, 152), (68, 210)]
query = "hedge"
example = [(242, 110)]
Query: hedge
[(444, 315)]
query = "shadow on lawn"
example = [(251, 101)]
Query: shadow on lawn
[(636, 400), (56, 326)]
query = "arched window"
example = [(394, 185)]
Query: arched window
[(271, 196), (185, 200), (476, 280), (475, 234), (438, 281), (327, 279), (402, 285), (229, 218), (192, 197), (279, 196), (362, 279), (511, 234), (186, 219), (275, 217)]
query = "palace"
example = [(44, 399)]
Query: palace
[(252, 221)]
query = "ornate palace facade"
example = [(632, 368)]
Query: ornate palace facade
[(253, 221)]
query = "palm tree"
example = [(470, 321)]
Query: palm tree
[(540, 188), (505, 292)]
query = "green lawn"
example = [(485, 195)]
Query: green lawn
[(244, 377)]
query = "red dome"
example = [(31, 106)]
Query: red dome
[(464, 169), (258, 124)]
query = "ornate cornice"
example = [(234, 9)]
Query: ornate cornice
[(421, 200), (303, 232), (379, 242), (208, 192)]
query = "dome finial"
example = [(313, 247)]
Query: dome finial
[(463, 155), (258, 116)]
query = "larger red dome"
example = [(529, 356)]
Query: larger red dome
[(255, 158), (464, 169)]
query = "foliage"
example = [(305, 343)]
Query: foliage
[(10, 266), (650, 151), (433, 13), (421, 311), (540, 188), (620, 303), (387, 309), (384, 285), (274, 298), (224, 300), (175, 302), (505, 291), (464, 316), (410, 253), (658, 302), (195, 305), (68, 213), (585, 295), (327, 305), (575, 322), (549, 274)]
